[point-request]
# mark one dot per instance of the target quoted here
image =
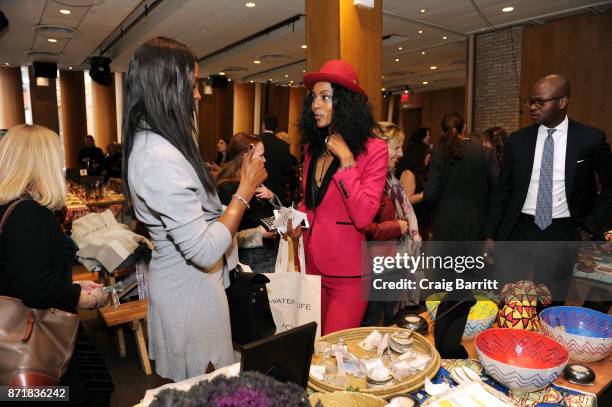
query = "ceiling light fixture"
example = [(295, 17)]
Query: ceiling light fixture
[(251, 81), (6, 63), (257, 61), (382, 76), (229, 79), (425, 82), (304, 46), (420, 31), (222, 73), (383, 89), (406, 91), (303, 71), (399, 48), (69, 67), (51, 40), (507, 9), (286, 76), (396, 59), (423, 10), (423, 52), (270, 79), (65, 12), (250, 4), (445, 37), (433, 67)]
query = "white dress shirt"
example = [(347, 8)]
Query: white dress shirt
[(560, 208)]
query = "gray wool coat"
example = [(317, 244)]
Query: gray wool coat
[(188, 320)]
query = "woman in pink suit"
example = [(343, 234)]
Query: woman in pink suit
[(345, 168)]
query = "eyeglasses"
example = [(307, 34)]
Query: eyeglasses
[(539, 102), (325, 98)]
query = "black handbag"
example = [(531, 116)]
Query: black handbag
[(250, 314)]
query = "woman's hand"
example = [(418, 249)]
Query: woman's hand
[(291, 232), (337, 146), (262, 192), (403, 226), (92, 295), (88, 286), (252, 175)]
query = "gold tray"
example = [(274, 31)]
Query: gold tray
[(352, 337)]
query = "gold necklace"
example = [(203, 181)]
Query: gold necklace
[(322, 171)]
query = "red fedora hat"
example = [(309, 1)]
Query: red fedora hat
[(335, 71)]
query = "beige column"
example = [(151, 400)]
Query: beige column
[(74, 115), (119, 103), (340, 30), (104, 114), (11, 97)]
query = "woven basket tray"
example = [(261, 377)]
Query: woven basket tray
[(352, 337)]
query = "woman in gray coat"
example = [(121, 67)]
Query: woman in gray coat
[(174, 195)]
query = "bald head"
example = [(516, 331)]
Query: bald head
[(557, 83), (549, 100)]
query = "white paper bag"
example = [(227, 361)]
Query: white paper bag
[(295, 298)]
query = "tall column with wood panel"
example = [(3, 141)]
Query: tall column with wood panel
[(74, 115), (337, 29), (11, 97), (104, 114)]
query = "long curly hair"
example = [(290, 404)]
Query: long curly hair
[(497, 137), (450, 143), (352, 118)]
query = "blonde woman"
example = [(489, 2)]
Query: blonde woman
[(35, 257), (395, 220)]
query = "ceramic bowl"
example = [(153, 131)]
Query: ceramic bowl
[(481, 317), (521, 360), (586, 333)]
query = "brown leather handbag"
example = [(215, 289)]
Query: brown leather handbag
[(36, 345)]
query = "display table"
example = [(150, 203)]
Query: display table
[(602, 369)]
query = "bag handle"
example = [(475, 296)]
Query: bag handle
[(8, 212), (29, 326)]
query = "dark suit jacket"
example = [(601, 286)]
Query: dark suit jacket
[(587, 154), (458, 193), (278, 165)]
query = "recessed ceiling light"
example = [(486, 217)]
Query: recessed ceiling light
[(303, 71), (304, 46), (383, 89), (69, 67), (400, 48), (6, 63), (222, 73), (423, 10), (51, 40), (251, 81), (229, 79), (433, 67), (286, 76), (250, 4), (257, 61), (270, 79), (420, 31), (423, 52), (507, 9), (445, 37), (406, 91), (425, 82), (382, 76), (66, 12), (396, 59), (290, 81)]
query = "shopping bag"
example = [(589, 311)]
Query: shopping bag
[(295, 297)]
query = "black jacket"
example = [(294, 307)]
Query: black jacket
[(35, 259), (587, 154), (278, 165), (458, 191)]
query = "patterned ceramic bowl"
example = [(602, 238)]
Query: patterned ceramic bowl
[(587, 334), (520, 360), (481, 317)]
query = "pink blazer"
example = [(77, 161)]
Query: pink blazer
[(349, 206)]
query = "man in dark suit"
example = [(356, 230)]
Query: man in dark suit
[(278, 160), (547, 192)]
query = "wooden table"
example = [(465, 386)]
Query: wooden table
[(135, 314), (602, 369)]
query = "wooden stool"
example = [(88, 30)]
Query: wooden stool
[(134, 313)]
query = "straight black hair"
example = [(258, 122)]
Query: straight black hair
[(159, 98)]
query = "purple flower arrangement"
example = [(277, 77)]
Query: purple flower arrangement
[(250, 389)]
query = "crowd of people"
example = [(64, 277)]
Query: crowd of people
[(362, 180)]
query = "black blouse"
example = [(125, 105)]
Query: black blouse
[(36, 259)]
